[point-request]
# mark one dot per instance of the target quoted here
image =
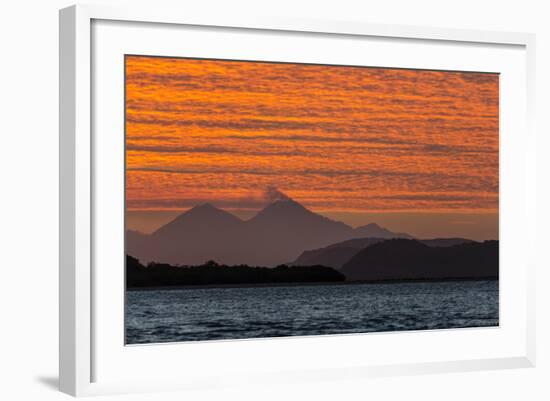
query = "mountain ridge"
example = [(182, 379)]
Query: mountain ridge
[(279, 232), (403, 259), (374, 230), (336, 255)]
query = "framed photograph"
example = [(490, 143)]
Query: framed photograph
[(271, 200)]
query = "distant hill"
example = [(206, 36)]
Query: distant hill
[(373, 230), (277, 234), (439, 242), (402, 259), (336, 255)]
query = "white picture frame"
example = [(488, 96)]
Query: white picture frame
[(80, 220)]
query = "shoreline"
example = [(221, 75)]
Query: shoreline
[(308, 284)]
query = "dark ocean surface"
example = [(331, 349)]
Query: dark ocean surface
[(155, 316)]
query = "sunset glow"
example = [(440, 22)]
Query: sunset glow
[(336, 139)]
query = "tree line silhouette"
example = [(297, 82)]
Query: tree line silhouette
[(212, 273)]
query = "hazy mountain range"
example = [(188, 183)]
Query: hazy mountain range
[(336, 255), (278, 234)]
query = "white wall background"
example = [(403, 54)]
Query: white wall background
[(29, 196)]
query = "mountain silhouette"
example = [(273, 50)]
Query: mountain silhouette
[(136, 242), (403, 259), (373, 230), (200, 234), (336, 255), (443, 242), (279, 233), (283, 229), (202, 219)]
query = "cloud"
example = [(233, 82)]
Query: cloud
[(186, 203), (210, 149), (178, 149), (272, 194), (373, 173), (394, 139), (464, 222)]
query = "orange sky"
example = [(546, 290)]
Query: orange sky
[(337, 139)]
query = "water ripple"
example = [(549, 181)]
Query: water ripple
[(236, 313)]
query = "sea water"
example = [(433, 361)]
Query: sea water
[(194, 314)]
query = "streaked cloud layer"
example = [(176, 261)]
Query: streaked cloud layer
[(337, 139)]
